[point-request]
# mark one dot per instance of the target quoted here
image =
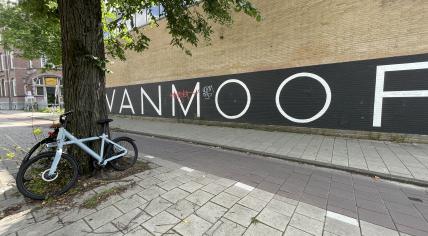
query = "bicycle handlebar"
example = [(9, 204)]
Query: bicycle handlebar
[(67, 113), (63, 117)]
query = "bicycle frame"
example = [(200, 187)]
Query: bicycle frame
[(64, 135)]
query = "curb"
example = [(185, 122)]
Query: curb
[(396, 178), (45, 118)]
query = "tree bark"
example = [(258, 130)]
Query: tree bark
[(84, 79)]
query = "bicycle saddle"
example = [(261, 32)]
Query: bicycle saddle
[(104, 121), (56, 125)]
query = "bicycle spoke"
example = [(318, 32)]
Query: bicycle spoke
[(34, 182), (126, 161)]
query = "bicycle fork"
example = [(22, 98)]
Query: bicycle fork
[(58, 153)]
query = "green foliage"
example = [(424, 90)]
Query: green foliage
[(254, 220), (33, 34), (44, 110), (11, 153), (398, 138), (56, 110), (98, 198), (34, 27), (100, 63), (37, 131), (187, 21)]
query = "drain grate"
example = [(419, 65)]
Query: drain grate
[(415, 199)]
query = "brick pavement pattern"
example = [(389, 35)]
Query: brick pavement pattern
[(406, 161), (172, 200)]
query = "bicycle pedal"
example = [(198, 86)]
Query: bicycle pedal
[(96, 165)]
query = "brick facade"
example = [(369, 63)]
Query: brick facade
[(292, 33), (23, 73)]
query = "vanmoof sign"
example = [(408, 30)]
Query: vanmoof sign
[(389, 94)]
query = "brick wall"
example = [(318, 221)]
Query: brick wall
[(22, 74), (293, 33)]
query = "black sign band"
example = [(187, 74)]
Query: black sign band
[(387, 95)]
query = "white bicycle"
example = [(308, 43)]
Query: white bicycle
[(54, 173)]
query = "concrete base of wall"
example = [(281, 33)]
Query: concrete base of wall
[(394, 137), (15, 106), (20, 106)]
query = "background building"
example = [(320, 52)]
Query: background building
[(371, 54), (23, 83), (291, 34)]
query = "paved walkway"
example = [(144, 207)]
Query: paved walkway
[(388, 204), (176, 200), (15, 137), (402, 161)]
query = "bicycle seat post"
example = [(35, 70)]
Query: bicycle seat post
[(105, 123), (105, 128)]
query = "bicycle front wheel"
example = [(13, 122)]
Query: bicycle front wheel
[(34, 182)]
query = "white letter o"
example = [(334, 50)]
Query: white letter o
[(246, 106), (316, 116)]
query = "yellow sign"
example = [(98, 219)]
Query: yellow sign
[(50, 81)]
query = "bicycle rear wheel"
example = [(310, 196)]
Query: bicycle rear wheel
[(127, 161), (33, 181)]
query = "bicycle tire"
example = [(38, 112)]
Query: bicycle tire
[(36, 146), (49, 156), (117, 164)]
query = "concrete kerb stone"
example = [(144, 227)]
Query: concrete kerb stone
[(386, 176)]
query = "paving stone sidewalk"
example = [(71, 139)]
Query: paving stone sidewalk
[(15, 137), (175, 200), (402, 161)]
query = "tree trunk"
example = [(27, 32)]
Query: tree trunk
[(84, 79)]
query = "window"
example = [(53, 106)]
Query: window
[(14, 87), (30, 64), (155, 11), (5, 88), (143, 18), (161, 11), (42, 62), (1, 88), (38, 81), (12, 66), (2, 62), (39, 91)]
